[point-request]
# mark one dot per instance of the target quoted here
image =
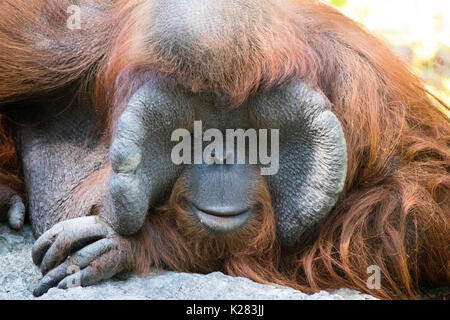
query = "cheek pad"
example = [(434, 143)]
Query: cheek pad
[(313, 157), (142, 169)]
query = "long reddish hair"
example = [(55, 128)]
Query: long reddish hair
[(394, 211)]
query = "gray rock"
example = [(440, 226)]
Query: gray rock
[(18, 278)]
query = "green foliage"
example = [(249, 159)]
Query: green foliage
[(339, 3)]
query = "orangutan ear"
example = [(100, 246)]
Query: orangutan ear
[(312, 158)]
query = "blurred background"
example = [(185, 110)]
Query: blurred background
[(417, 30)]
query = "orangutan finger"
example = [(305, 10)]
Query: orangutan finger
[(75, 235), (105, 268), (16, 213), (80, 260)]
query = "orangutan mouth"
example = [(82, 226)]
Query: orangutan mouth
[(221, 220)]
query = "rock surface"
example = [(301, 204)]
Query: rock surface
[(18, 277)]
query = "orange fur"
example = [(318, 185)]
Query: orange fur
[(394, 211)]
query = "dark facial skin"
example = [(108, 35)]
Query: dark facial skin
[(312, 155), (221, 196)]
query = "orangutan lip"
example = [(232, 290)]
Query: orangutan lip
[(222, 212), (221, 222)]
